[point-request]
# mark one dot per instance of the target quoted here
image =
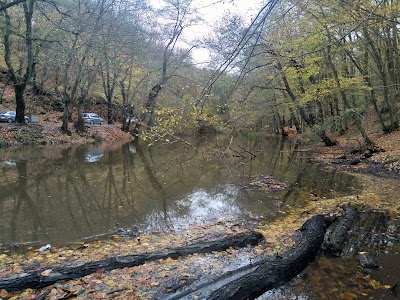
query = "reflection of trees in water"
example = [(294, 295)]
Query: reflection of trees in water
[(128, 177), (23, 198), (135, 183), (152, 175)]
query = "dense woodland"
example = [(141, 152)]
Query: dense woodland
[(317, 65)]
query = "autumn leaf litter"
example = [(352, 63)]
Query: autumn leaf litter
[(153, 278)]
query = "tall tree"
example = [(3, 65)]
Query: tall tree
[(179, 16), (19, 75)]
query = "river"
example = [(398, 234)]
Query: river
[(58, 195)]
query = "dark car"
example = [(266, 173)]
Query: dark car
[(91, 118), (9, 116)]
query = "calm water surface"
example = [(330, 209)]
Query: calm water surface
[(57, 195)]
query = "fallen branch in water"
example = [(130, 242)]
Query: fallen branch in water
[(337, 235)]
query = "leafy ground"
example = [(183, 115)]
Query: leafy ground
[(49, 133)]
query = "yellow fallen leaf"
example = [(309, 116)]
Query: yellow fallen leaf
[(46, 272), (375, 284), (110, 283), (230, 250), (386, 286), (24, 296), (169, 260), (349, 296), (155, 283)]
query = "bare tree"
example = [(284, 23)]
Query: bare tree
[(180, 16)]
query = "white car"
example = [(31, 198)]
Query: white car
[(92, 118), (9, 117)]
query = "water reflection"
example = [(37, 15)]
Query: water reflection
[(93, 156), (8, 163), (55, 196)]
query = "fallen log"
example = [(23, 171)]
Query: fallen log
[(337, 235), (252, 281), (45, 277), (369, 231)]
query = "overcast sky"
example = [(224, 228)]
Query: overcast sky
[(212, 11)]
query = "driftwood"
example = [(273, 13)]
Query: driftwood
[(42, 278), (337, 235), (251, 281)]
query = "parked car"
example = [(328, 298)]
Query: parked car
[(91, 118), (9, 116)]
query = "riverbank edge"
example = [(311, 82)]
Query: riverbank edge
[(16, 136), (346, 153)]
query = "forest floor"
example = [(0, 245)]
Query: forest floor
[(49, 133), (47, 130)]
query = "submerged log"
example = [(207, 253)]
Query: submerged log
[(253, 281), (337, 235), (42, 278), (369, 231)]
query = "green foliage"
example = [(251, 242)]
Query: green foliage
[(171, 122), (334, 123)]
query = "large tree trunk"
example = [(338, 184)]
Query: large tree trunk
[(253, 280), (274, 273), (35, 279), (337, 235), (110, 109), (19, 98), (147, 117), (80, 126), (64, 126)]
